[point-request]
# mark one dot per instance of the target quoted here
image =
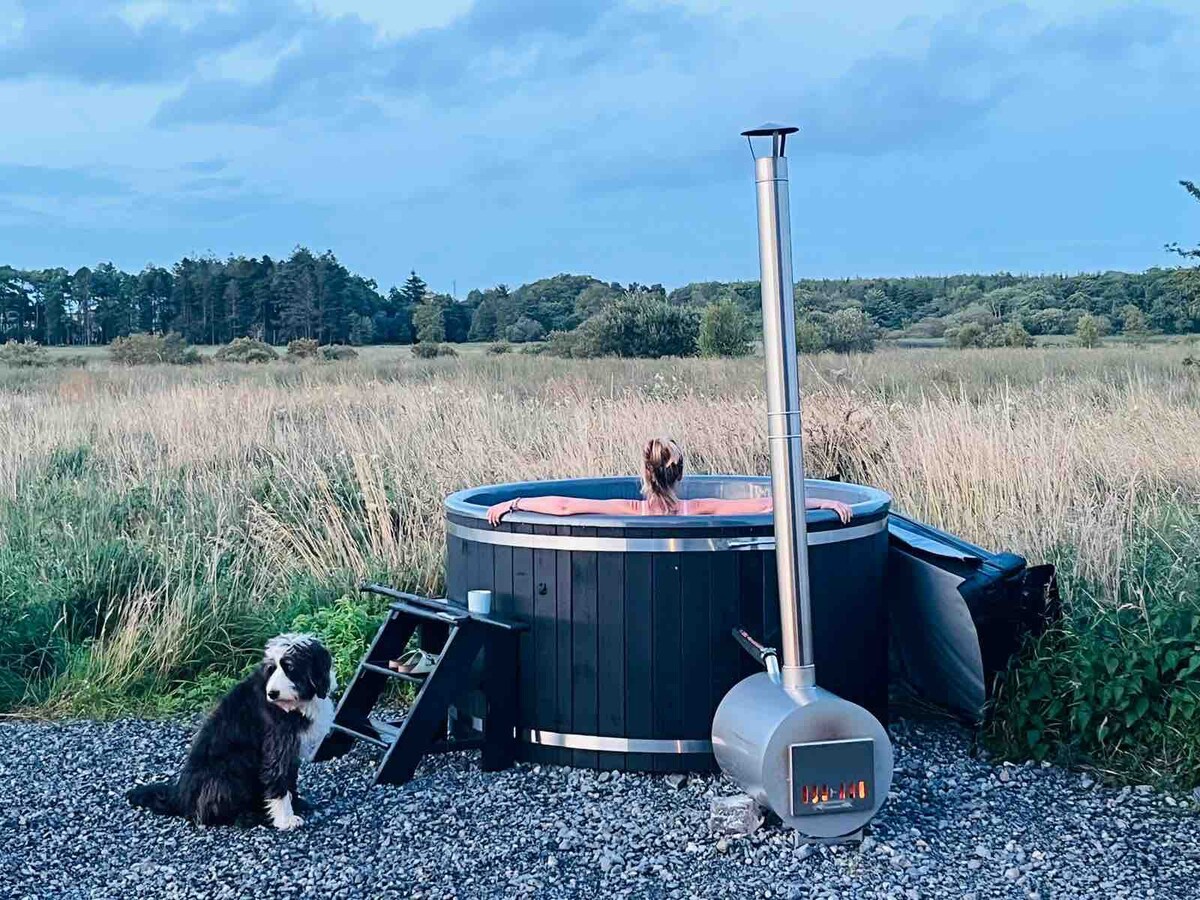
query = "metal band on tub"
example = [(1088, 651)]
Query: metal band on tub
[(600, 743), (653, 545), (612, 744)]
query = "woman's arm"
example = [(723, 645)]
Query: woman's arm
[(711, 506), (716, 507), (562, 506)]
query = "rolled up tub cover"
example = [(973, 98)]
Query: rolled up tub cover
[(958, 613)]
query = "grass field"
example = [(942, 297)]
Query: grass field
[(156, 524)]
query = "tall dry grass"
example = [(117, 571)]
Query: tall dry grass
[(250, 479)]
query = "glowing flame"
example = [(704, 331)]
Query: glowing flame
[(817, 794)]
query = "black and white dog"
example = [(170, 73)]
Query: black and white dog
[(245, 760)]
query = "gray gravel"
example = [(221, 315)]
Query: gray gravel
[(954, 827)]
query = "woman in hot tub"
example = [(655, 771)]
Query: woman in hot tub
[(662, 470)]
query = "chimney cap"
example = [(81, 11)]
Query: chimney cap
[(768, 129)]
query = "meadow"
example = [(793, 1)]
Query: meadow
[(157, 523)]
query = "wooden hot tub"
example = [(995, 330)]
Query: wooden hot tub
[(629, 651)]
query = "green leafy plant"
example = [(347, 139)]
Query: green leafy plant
[(1087, 331), (247, 350), (200, 693), (338, 353), (1116, 687), (150, 349), (525, 330), (345, 627), (426, 350), (24, 355), (1114, 694), (637, 326), (724, 330), (303, 348)]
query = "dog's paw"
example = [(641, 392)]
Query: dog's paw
[(287, 823)]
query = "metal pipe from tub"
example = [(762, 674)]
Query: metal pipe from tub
[(783, 409)]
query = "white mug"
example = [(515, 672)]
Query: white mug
[(479, 602)]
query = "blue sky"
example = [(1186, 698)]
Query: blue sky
[(485, 141)]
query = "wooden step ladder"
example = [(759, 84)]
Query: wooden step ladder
[(424, 730)]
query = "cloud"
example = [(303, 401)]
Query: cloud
[(95, 41), (31, 181), (338, 69), (207, 166), (212, 183), (967, 67), (1113, 33), (325, 73)]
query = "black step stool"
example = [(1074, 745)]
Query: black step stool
[(424, 729)]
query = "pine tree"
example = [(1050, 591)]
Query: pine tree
[(415, 290), (81, 300), (483, 322), (333, 324), (297, 293)]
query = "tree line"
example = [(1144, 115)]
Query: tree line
[(207, 301), (311, 296)]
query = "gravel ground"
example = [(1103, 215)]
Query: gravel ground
[(954, 827)]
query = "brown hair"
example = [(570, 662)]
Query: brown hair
[(662, 469)]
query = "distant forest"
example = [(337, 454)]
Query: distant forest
[(211, 301)]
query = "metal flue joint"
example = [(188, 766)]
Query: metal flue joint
[(783, 403)]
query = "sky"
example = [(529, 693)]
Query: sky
[(489, 141)]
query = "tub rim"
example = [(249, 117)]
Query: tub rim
[(869, 505)]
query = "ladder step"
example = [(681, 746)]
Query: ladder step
[(392, 673), (442, 616)]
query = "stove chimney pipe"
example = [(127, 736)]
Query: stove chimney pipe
[(783, 405), (823, 764)]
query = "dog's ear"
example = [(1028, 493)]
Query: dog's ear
[(323, 678)]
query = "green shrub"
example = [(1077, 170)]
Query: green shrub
[(303, 348), (1006, 334), (446, 350), (338, 353), (150, 349), (638, 326), (525, 330), (200, 693), (851, 330), (533, 349), (425, 350), (558, 343), (1117, 691), (724, 330), (345, 627), (24, 354), (499, 348), (1087, 331), (1116, 685), (1134, 325), (811, 336), (968, 335), (247, 350)]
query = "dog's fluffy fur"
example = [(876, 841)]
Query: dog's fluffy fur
[(245, 760)]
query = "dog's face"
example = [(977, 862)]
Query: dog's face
[(298, 669)]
